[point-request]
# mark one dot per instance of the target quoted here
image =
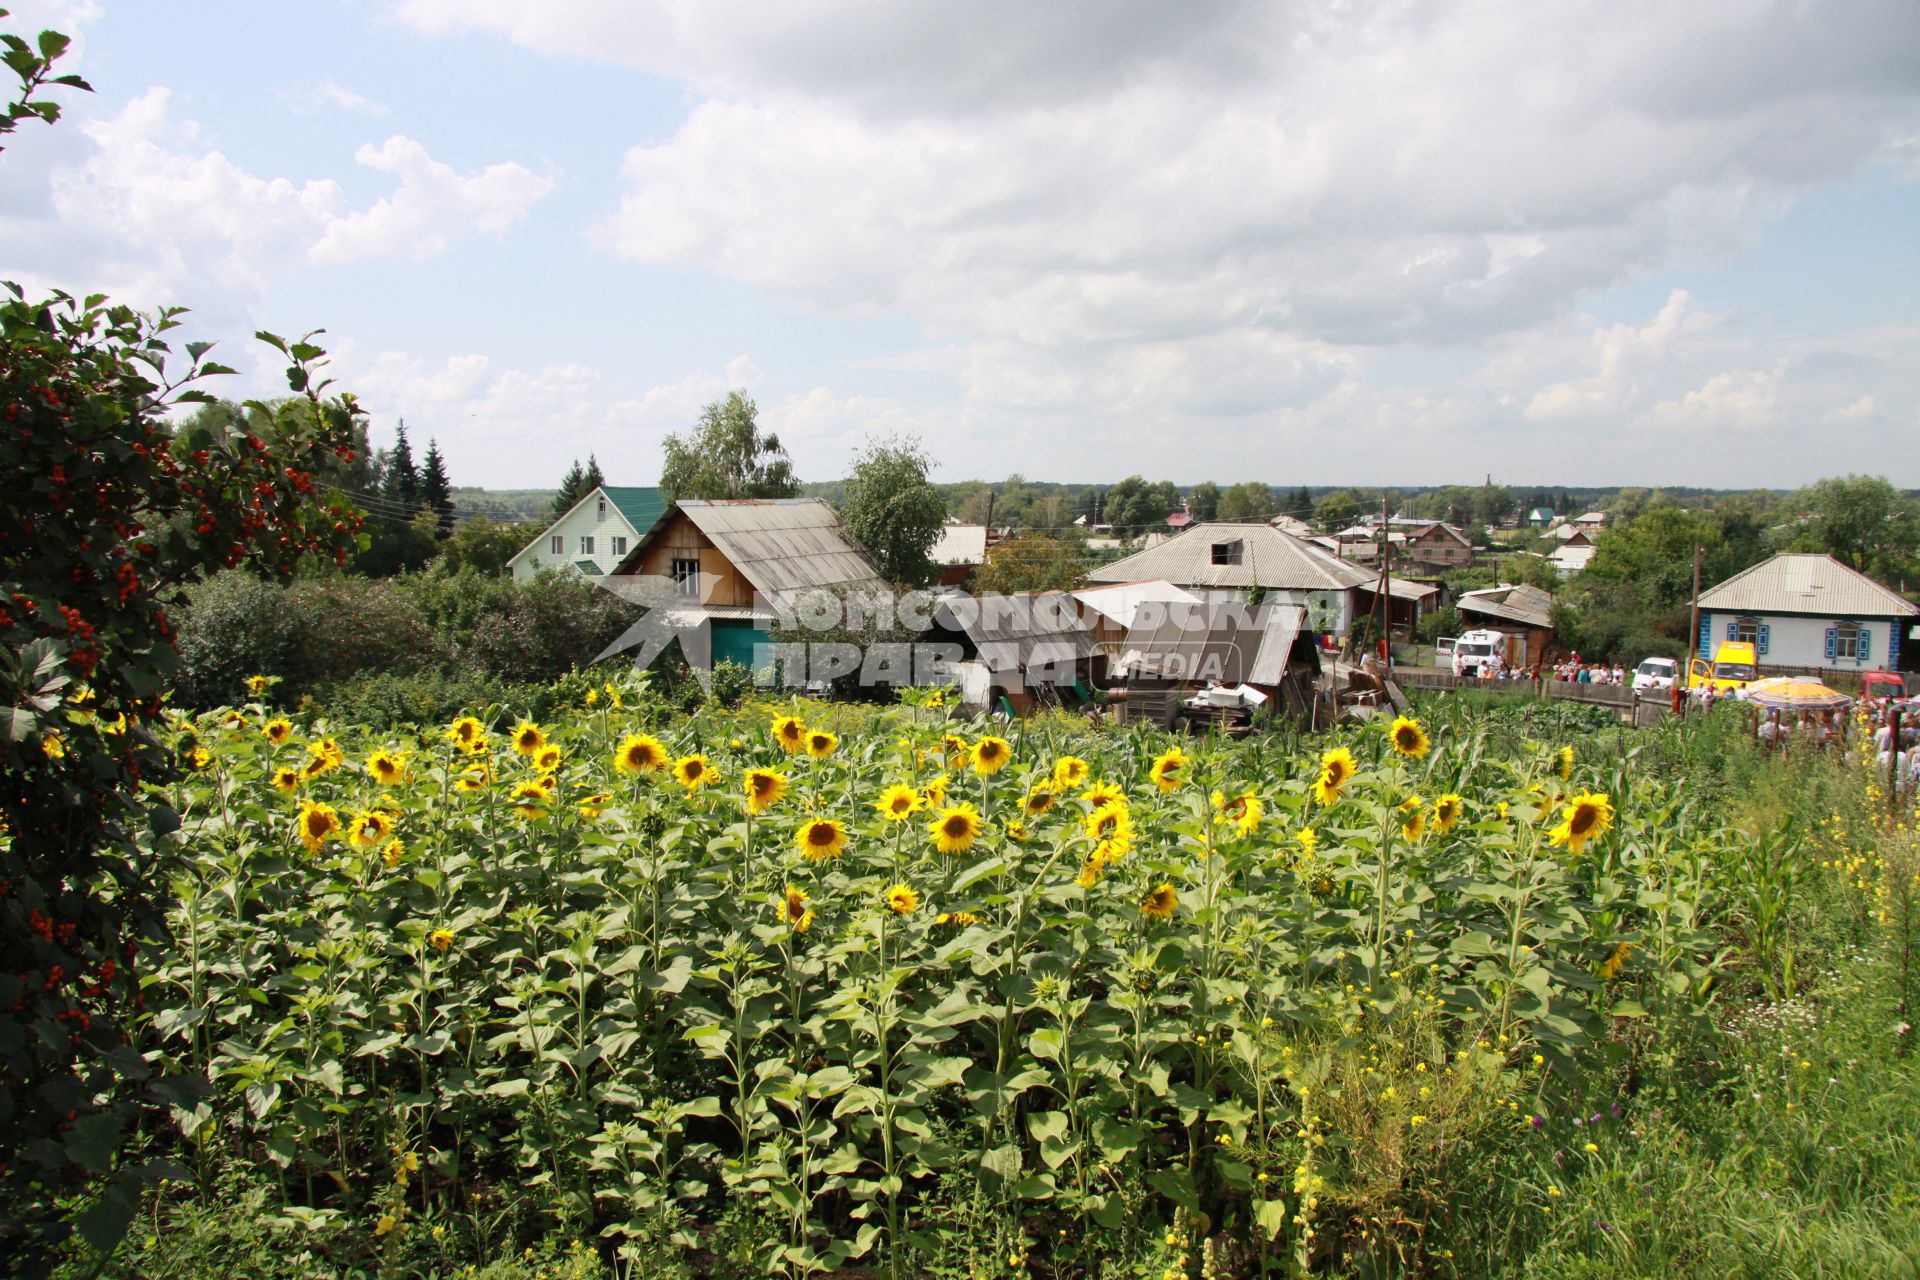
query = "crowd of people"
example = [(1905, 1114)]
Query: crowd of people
[(1574, 671), (1896, 753)]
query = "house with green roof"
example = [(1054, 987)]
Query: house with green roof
[(595, 534)]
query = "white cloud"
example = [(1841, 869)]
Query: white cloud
[(332, 95), (432, 207), (1737, 400)]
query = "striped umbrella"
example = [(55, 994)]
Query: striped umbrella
[(1795, 693)]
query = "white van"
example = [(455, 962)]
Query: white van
[(1474, 651), (1655, 673)]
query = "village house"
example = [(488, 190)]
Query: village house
[(1241, 561), (1523, 613), (1809, 611), (731, 564), (593, 535), (958, 552), (1436, 547)]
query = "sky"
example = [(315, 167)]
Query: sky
[(1383, 242)]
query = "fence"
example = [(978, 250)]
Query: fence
[(1619, 697)]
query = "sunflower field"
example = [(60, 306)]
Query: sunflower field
[(816, 988)]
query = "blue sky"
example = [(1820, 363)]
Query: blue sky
[(1360, 243)]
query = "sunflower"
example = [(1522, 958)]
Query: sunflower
[(324, 756), (792, 909), (1242, 812), (1309, 840), (440, 939), (257, 685), (286, 779), (1414, 824), (528, 737), (934, 794), (386, 767), (613, 695), (1169, 768), (1563, 761), (820, 838), (1016, 832), (957, 919), (640, 753), (694, 771), (1336, 770), (547, 758), (1110, 827), (898, 802), (318, 824), (1069, 772), (370, 827), (474, 779), (791, 733), (1408, 738), (530, 800), (1039, 800), (199, 757), (392, 854), (902, 900), (592, 806), (1585, 817), (1090, 873), (277, 730), (764, 788), (1102, 794), (1446, 812), (955, 829), (990, 756), (1610, 967), (957, 749), (820, 743), (466, 731), (1160, 903)]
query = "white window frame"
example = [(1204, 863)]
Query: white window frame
[(586, 544), (1846, 642), (616, 546), (557, 545), (685, 571), (1746, 630)]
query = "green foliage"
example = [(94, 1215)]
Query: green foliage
[(1444, 621), (727, 456), (1134, 506), (1031, 562), (1203, 500), (109, 517), (436, 490), (1337, 510), (893, 511), (1861, 521), (1248, 500), (484, 545), (575, 485)]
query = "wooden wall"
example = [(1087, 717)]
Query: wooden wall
[(720, 582)]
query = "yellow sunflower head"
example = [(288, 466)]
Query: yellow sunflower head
[(286, 779), (694, 771), (934, 794), (1169, 769), (475, 778), (764, 787), (820, 838), (277, 730), (1160, 902), (1563, 762), (820, 743), (465, 731), (547, 758), (258, 685), (1407, 737), (1069, 772), (956, 749), (1585, 817), (640, 753), (386, 767), (1016, 832), (1110, 827), (1336, 770), (1309, 840), (393, 853), (440, 939), (1102, 794), (792, 910), (791, 733), (955, 828), (318, 824), (902, 900), (528, 737), (1039, 800), (369, 828), (990, 755), (594, 805), (898, 802), (1242, 812), (530, 800), (1446, 812)]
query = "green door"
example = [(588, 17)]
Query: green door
[(734, 642)]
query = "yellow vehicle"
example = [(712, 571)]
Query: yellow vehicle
[(1735, 665)]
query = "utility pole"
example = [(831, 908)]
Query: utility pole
[(1685, 675), (1386, 603)]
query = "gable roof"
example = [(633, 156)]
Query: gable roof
[(1119, 601), (960, 544), (1443, 527), (1523, 605), (1015, 632), (639, 507), (1224, 641), (1268, 558), (1796, 582), (779, 545)]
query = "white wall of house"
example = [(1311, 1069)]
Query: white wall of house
[(594, 530), (1792, 641)]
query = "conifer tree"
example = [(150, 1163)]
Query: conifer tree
[(402, 482), (573, 487), (436, 491)]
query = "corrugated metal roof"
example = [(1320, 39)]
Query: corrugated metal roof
[(1266, 557), (587, 567), (960, 544), (641, 507), (1796, 582), (1122, 600), (782, 545), (1222, 641), (1016, 632), (1523, 605)]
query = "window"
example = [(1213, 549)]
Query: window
[(618, 546), (557, 545), (686, 574), (1744, 631), (586, 544), (1846, 642), (1226, 552), (603, 509)]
